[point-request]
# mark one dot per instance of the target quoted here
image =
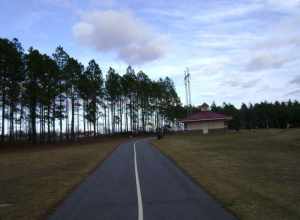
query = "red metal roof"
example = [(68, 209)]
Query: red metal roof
[(205, 116)]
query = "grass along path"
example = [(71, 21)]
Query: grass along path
[(32, 182), (255, 174)]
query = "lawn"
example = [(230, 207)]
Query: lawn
[(34, 181), (255, 174)]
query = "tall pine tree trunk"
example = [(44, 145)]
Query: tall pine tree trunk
[(121, 115), (53, 120), (95, 115), (112, 118), (11, 120), (126, 117), (21, 121), (83, 115), (67, 118), (72, 119), (41, 123), (78, 127), (108, 121), (61, 118), (105, 120), (33, 121), (3, 116), (131, 113), (48, 125)]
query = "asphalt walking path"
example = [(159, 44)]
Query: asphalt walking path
[(137, 182)]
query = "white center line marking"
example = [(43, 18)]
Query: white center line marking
[(138, 187)]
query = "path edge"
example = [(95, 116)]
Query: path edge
[(54, 207), (194, 180)]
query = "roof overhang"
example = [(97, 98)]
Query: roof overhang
[(207, 119)]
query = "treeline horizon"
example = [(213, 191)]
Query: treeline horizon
[(261, 115), (54, 98)]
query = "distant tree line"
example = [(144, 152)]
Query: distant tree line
[(52, 98), (262, 115)]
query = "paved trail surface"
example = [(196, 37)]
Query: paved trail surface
[(138, 183)]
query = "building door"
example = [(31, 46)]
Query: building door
[(205, 129)]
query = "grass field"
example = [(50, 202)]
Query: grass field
[(33, 181), (255, 174)]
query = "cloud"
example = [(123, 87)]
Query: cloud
[(250, 83), (102, 3), (296, 80), (294, 92), (283, 4), (60, 3), (242, 84), (279, 43), (267, 61), (284, 34), (120, 32), (138, 53), (228, 12), (276, 47)]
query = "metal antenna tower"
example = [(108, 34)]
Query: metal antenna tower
[(187, 84)]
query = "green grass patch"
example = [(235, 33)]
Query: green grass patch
[(34, 181), (255, 174)]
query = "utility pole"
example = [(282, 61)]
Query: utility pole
[(187, 84)]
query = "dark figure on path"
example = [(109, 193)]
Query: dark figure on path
[(159, 133)]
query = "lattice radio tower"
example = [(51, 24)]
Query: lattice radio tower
[(187, 83)]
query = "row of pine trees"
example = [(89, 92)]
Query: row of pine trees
[(259, 115), (53, 98), (262, 115)]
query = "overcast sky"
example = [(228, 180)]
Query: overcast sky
[(237, 51)]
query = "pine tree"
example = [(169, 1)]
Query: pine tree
[(61, 59), (73, 70)]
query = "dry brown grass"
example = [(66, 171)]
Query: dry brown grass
[(255, 174), (34, 181)]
